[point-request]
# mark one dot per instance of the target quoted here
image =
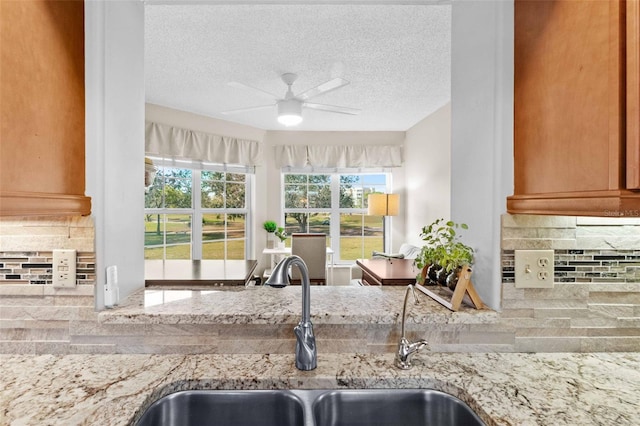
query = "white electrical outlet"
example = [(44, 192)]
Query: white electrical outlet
[(64, 268), (534, 268)]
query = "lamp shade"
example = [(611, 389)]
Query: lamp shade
[(383, 204)]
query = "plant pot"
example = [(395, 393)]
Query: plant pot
[(432, 274), (281, 244), (452, 278), (442, 276), (270, 242)]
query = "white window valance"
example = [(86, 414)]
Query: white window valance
[(326, 156), (177, 143)]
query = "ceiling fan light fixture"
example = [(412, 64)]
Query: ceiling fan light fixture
[(289, 112)]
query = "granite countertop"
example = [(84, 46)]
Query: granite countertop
[(504, 389), (268, 305)]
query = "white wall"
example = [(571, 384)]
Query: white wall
[(482, 131), (428, 172), (114, 60)]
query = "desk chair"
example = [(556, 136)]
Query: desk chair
[(312, 248)]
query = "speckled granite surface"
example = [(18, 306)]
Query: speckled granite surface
[(504, 389), (268, 305)]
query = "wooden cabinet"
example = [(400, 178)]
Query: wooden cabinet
[(576, 108), (42, 132)]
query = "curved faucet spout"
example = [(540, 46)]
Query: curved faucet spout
[(306, 352)]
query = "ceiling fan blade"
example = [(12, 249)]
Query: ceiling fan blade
[(253, 89), (333, 108), (323, 88), (247, 109)]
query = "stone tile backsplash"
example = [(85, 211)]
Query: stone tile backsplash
[(35, 267), (27, 244), (585, 266), (595, 302)]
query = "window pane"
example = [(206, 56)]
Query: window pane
[(320, 223), (153, 195), (319, 196), (212, 190), (220, 233), (360, 234), (350, 192), (296, 222), (209, 175), (295, 196), (177, 188), (167, 236), (153, 236), (291, 178), (178, 236), (236, 177), (235, 195)]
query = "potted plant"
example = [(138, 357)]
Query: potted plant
[(271, 227), (282, 235), (443, 256)]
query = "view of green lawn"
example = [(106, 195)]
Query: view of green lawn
[(178, 236)]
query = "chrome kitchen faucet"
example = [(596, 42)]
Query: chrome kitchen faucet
[(405, 348), (306, 353)]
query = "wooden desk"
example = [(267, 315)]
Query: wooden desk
[(387, 271), (198, 272)]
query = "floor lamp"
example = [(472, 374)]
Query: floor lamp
[(384, 205)]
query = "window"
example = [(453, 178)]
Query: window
[(209, 222), (336, 204)]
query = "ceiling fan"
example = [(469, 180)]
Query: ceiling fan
[(290, 107)]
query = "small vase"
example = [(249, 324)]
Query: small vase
[(280, 244), (270, 242)]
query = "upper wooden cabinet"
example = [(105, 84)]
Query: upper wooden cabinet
[(42, 132), (576, 112)]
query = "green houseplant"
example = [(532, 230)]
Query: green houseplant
[(281, 234), (443, 254), (271, 227)]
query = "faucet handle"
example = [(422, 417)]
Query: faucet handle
[(406, 350)]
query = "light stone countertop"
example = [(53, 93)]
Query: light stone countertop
[(504, 389), (268, 305)]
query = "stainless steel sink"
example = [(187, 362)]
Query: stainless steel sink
[(377, 407), (225, 408), (406, 407)]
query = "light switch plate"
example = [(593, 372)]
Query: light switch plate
[(534, 268), (64, 268)]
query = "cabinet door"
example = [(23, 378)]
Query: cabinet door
[(42, 128), (576, 108), (568, 96), (633, 93)]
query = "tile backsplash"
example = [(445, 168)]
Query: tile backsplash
[(595, 302), (35, 316), (35, 267), (27, 244)]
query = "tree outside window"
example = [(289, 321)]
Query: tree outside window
[(313, 202), (205, 223)]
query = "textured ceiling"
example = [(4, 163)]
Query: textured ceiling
[(397, 58)]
